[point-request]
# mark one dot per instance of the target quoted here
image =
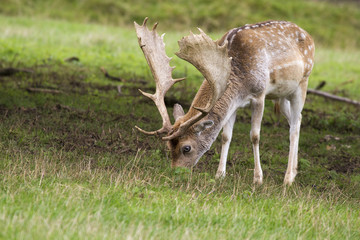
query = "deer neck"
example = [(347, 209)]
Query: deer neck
[(233, 98)]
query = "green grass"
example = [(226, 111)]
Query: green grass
[(54, 194), (117, 50), (72, 165), (331, 24)]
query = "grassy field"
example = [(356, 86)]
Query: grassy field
[(73, 167)]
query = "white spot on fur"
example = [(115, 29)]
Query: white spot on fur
[(289, 64), (305, 52), (232, 38), (302, 36)]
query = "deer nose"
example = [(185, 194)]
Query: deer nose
[(173, 164), (177, 164)]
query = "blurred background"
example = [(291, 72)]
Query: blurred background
[(332, 23)]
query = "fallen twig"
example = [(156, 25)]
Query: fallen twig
[(107, 75), (72, 59), (333, 97), (68, 108), (119, 89), (321, 85), (44, 90), (11, 71)]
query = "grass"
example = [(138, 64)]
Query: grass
[(333, 24), (72, 166), (49, 197), (114, 48)]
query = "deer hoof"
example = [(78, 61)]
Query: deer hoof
[(258, 181), (289, 179), (258, 178), (220, 174)]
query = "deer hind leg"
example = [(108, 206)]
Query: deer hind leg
[(257, 107), (225, 140), (292, 111)]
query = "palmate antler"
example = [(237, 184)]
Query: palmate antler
[(200, 50), (153, 47), (214, 64), (210, 59)]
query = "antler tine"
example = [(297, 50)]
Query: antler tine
[(145, 21), (184, 126), (153, 48), (154, 28), (213, 62)]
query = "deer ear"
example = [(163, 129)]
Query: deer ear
[(178, 111), (203, 125)]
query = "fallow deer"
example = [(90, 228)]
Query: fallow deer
[(270, 59)]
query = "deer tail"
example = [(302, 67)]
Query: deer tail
[(277, 108)]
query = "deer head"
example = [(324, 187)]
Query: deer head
[(185, 137)]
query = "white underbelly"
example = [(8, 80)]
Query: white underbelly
[(281, 89)]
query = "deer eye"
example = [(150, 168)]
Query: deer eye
[(186, 149)]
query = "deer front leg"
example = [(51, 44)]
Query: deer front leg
[(256, 117), (225, 140)]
